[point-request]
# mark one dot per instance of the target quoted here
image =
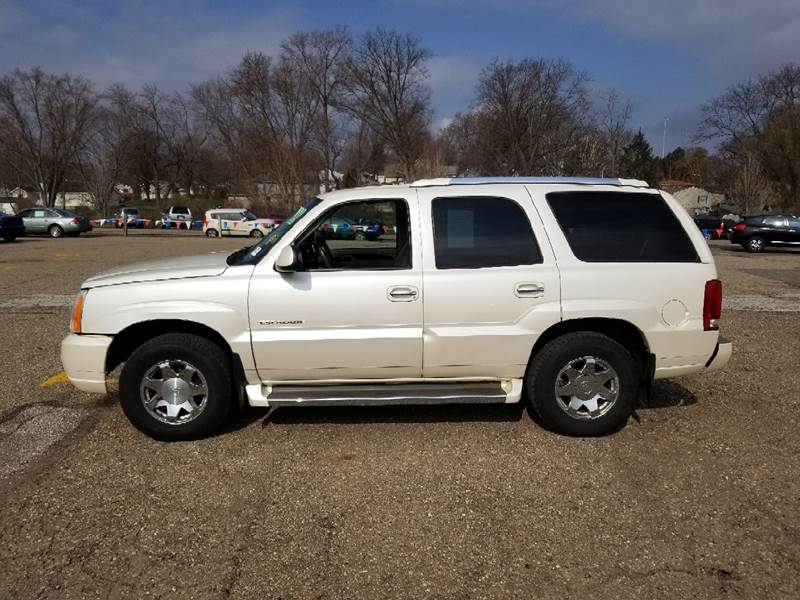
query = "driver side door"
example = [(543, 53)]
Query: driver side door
[(353, 308)]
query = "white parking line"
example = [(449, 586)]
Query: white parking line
[(761, 303), (8, 301)]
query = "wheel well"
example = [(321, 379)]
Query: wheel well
[(130, 338), (623, 332)]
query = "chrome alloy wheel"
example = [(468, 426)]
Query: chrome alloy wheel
[(587, 388), (174, 392), (756, 244)]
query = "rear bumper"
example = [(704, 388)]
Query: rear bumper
[(12, 230), (721, 356), (84, 361)]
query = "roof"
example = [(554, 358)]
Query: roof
[(530, 181)]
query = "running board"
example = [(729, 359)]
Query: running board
[(466, 392)]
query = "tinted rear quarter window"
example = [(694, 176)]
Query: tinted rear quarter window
[(621, 227), (474, 232)]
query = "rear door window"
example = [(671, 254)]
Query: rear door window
[(621, 227), (475, 232), (774, 221)]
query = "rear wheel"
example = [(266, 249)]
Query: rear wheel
[(583, 384), (55, 231), (755, 244), (176, 387), (10, 238), (361, 236), (212, 233)]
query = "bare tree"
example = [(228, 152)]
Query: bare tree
[(762, 116), (387, 90), (101, 158), (613, 118), (749, 186), (45, 119), (528, 117), (320, 56)]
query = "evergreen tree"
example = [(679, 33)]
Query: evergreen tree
[(638, 161)]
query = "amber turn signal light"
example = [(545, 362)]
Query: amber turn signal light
[(77, 314)]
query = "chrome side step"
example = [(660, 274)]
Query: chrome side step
[(480, 392)]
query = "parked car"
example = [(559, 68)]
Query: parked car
[(757, 232), (54, 222), (176, 216), (578, 292), (368, 230), (343, 228), (236, 222), (129, 214), (11, 227)]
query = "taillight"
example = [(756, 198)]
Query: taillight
[(740, 227), (75, 220), (712, 305)]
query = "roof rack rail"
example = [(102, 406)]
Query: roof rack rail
[(529, 180)]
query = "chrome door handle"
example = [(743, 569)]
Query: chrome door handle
[(402, 293), (529, 290)]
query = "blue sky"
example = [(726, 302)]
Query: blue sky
[(667, 56)]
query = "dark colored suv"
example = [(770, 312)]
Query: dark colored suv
[(756, 233)]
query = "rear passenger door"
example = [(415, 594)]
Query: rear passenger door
[(491, 284)]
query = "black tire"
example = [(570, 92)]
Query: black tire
[(55, 231), (10, 238), (256, 233), (212, 233), (360, 236), (557, 354), (206, 356), (755, 244)]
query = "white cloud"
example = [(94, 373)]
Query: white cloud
[(139, 44), (731, 36)]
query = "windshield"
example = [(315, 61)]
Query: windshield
[(180, 210), (250, 255), (248, 216)]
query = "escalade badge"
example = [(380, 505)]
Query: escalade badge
[(271, 323)]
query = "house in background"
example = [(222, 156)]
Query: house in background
[(73, 195), (694, 199)]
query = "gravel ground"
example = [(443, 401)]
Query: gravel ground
[(696, 498)]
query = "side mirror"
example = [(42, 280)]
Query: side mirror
[(287, 260)]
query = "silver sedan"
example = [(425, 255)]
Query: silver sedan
[(54, 222)]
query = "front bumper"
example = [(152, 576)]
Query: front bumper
[(84, 360), (721, 356)]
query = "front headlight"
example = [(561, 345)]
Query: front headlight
[(77, 312)]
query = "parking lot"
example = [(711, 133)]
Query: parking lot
[(697, 497)]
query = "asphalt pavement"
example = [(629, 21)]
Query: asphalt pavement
[(697, 497)]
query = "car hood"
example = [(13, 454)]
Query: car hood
[(205, 265)]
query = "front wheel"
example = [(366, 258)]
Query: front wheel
[(583, 384), (360, 236), (212, 233), (755, 244), (256, 233), (10, 238), (176, 387)]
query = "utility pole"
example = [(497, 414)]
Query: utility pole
[(664, 139)]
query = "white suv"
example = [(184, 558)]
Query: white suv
[(575, 293), (220, 222)]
